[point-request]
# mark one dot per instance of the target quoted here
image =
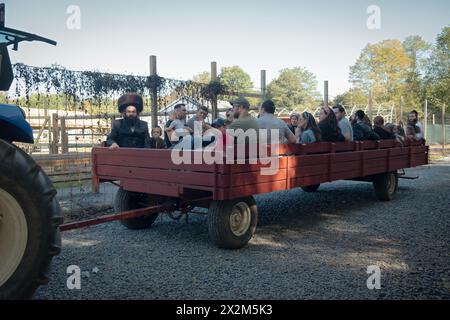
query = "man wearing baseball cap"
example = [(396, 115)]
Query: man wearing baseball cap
[(244, 120), (129, 132)]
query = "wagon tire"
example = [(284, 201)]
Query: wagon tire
[(311, 189), (232, 224), (30, 217), (386, 185), (127, 200)]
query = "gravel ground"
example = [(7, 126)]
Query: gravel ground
[(307, 246)]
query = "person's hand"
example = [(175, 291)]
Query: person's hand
[(188, 129), (114, 146)]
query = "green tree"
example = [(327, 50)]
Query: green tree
[(352, 97), (235, 79), (418, 51), (294, 88), (438, 74), (382, 67), (203, 77)]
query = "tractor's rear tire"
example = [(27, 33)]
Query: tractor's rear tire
[(29, 224), (231, 224), (127, 200), (386, 185), (312, 188)]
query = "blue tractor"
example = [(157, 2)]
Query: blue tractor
[(30, 215)]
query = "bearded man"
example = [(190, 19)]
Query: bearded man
[(129, 132)]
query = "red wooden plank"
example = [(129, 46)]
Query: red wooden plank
[(375, 154), (343, 175), (301, 161), (161, 188), (240, 168), (321, 147), (346, 157), (249, 190), (371, 163), (376, 170), (386, 144), (250, 178), (308, 181), (367, 145), (419, 149), (399, 151), (346, 146), (157, 175), (345, 166), (307, 171), (158, 163)]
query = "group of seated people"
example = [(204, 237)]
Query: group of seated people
[(333, 126)]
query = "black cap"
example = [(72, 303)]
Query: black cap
[(218, 123), (240, 102), (131, 99)]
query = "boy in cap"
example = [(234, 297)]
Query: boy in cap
[(129, 132)]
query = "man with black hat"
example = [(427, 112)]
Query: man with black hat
[(129, 132)]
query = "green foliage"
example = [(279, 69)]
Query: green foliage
[(213, 89), (382, 67), (352, 97), (414, 69), (438, 74), (294, 88), (235, 79), (203, 77)]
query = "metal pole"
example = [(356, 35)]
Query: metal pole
[(443, 129), (401, 109), (425, 125), (154, 91), (263, 84), (370, 105), (215, 113), (325, 93)]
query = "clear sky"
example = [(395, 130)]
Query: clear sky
[(325, 36)]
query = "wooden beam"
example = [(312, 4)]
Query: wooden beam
[(154, 92), (214, 102), (263, 85)]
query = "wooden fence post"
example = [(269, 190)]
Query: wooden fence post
[(214, 103), (64, 137), (263, 85), (55, 134), (154, 91)]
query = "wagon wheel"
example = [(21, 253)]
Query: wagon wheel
[(312, 188), (231, 224), (127, 200), (386, 185), (29, 224)]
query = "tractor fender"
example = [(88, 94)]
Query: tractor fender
[(13, 125)]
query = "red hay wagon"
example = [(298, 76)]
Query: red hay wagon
[(150, 183)]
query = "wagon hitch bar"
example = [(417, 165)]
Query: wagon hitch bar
[(168, 206), (402, 175)]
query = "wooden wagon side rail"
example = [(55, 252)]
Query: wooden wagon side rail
[(154, 172)]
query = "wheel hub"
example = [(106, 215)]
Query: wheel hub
[(391, 184), (13, 235), (240, 219)]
